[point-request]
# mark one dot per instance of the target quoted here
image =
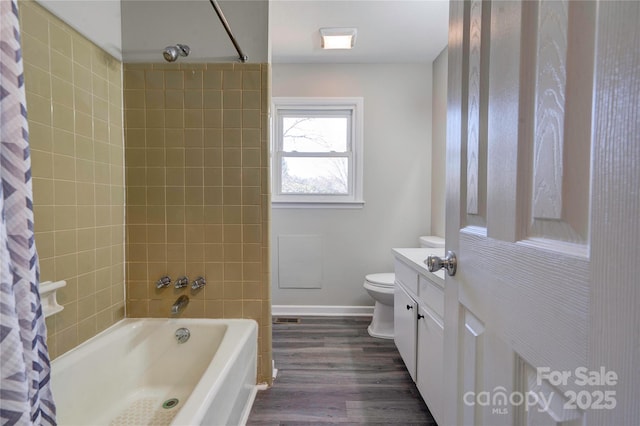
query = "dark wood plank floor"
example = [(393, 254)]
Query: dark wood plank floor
[(331, 371)]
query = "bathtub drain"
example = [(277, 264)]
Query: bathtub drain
[(170, 403), (182, 335)]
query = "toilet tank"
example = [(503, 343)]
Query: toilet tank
[(431, 241)]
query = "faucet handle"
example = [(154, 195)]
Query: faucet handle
[(198, 283), (163, 282), (182, 282)]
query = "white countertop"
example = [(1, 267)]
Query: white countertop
[(415, 258)]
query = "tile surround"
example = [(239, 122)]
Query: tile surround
[(197, 191), (197, 183), (74, 101)]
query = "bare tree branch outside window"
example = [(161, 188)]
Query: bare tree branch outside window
[(315, 173)]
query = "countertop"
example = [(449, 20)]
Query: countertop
[(415, 258)]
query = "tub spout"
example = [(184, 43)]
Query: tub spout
[(179, 304)]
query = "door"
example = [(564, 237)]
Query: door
[(543, 213)]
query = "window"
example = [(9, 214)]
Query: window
[(317, 152)]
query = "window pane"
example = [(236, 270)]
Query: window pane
[(317, 175), (315, 134)]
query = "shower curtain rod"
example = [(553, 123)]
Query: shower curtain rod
[(243, 58)]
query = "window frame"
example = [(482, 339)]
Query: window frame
[(352, 107)]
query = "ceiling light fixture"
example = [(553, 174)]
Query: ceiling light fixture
[(338, 38)]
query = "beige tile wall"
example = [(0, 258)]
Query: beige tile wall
[(74, 102), (197, 191)]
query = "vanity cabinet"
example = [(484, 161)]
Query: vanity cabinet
[(418, 323)]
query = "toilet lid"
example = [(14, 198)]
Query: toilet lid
[(384, 280)]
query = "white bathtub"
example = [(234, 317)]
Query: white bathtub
[(123, 375)]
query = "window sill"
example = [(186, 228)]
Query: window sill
[(317, 204)]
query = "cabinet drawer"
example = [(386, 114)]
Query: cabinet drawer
[(407, 276), (431, 295)]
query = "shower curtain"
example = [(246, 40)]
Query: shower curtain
[(25, 395)]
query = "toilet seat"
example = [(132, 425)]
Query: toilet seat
[(385, 280)]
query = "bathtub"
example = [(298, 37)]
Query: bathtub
[(136, 373)]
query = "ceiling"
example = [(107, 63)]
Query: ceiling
[(389, 31)]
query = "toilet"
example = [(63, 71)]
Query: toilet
[(380, 287)]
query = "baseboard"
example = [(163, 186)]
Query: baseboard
[(322, 311)]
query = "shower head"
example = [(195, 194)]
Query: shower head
[(171, 53)]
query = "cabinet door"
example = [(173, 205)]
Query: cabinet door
[(405, 329), (429, 368)]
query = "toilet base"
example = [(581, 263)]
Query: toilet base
[(382, 322)]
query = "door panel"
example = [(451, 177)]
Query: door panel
[(549, 106), (520, 310), (555, 90), (476, 105), (471, 355), (551, 407)]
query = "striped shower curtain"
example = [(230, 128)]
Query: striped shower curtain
[(25, 395)]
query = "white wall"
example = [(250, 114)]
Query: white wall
[(439, 143), (397, 177), (97, 20)]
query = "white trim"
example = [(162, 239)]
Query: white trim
[(317, 205), (321, 310)]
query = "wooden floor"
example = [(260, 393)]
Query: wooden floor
[(331, 371)]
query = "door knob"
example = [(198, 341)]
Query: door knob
[(435, 263)]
